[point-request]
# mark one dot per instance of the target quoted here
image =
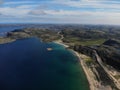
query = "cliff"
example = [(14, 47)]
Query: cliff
[(109, 52)]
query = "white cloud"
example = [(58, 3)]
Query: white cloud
[(98, 4), (14, 11), (76, 13), (107, 12), (1, 1), (19, 2), (37, 12), (61, 16), (26, 6)]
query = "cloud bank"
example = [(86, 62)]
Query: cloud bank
[(61, 11)]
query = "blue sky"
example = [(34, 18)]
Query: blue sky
[(60, 11)]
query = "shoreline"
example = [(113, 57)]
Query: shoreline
[(85, 69), (91, 86), (61, 43), (94, 84)]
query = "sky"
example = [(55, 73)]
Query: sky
[(60, 11)]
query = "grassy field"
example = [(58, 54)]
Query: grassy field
[(77, 41), (92, 42)]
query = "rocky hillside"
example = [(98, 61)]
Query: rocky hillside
[(44, 34), (112, 42), (109, 51)]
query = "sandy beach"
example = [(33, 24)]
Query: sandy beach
[(93, 83), (86, 71), (85, 68), (61, 43)]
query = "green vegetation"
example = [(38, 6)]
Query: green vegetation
[(88, 37), (88, 61), (6, 40), (117, 77), (45, 34), (77, 41), (92, 42)]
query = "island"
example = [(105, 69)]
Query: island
[(97, 47), (49, 49)]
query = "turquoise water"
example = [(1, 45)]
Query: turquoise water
[(28, 65)]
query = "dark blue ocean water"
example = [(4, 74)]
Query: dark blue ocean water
[(28, 65), (10, 27), (4, 29)]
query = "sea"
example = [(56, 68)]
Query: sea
[(27, 64)]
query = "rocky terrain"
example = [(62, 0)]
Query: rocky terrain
[(104, 56), (44, 34)]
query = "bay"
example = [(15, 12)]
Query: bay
[(27, 65)]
